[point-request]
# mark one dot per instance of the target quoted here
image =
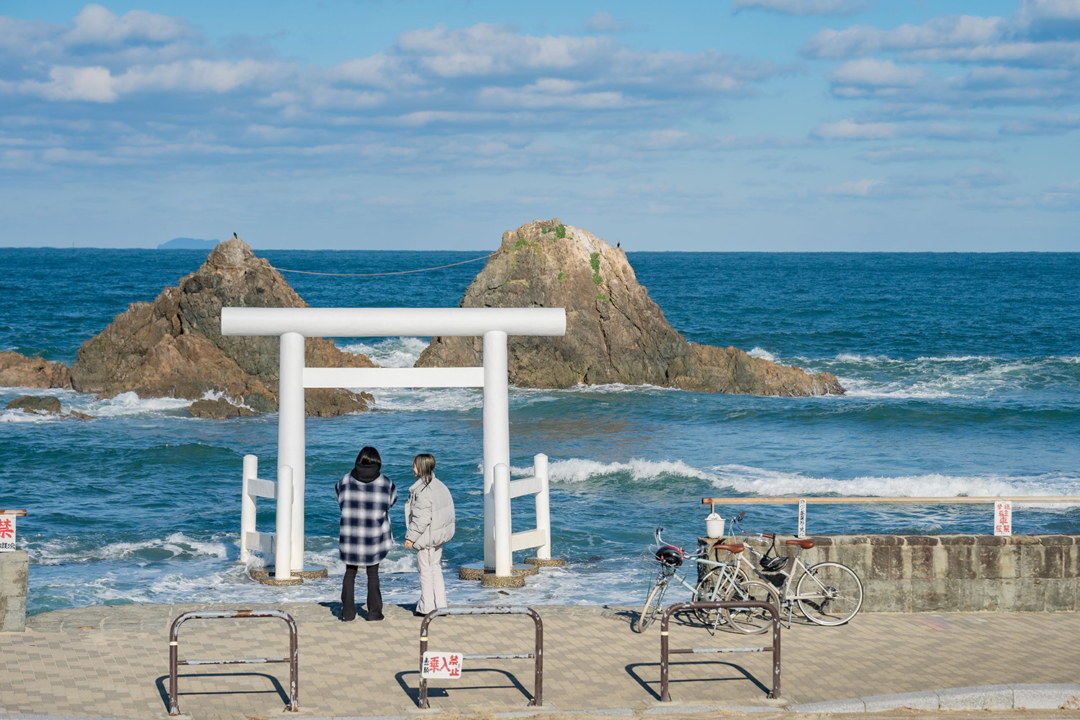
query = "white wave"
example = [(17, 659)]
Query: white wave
[(177, 545), (612, 389), (763, 354), (18, 416), (430, 399), (391, 352), (856, 358), (578, 470), (131, 404), (758, 481), (860, 388)]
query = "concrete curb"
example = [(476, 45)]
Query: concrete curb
[(981, 697)]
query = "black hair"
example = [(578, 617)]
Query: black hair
[(369, 456)]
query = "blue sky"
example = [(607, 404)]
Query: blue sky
[(726, 125)]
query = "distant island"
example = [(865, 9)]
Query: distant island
[(188, 244)]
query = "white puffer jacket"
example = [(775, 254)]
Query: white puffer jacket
[(429, 514)]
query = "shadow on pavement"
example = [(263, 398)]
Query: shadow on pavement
[(632, 671), (413, 692), (164, 692)]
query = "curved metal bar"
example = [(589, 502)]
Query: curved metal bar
[(665, 650), (537, 654), (174, 651)]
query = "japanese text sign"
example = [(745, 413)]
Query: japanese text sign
[(802, 518), (442, 665), (1003, 517), (7, 533)]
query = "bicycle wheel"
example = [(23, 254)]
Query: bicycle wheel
[(652, 606), (829, 593), (716, 585), (752, 620)]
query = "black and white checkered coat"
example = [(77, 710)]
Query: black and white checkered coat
[(365, 537)]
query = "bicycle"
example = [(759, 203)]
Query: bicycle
[(723, 581), (827, 593)]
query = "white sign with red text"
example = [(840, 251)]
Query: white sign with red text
[(1003, 517), (442, 665), (7, 533)]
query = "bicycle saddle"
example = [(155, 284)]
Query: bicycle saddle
[(804, 544), (734, 548)]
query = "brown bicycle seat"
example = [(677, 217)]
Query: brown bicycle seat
[(804, 544), (736, 548)]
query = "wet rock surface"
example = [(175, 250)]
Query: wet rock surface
[(20, 371), (218, 410), (173, 346), (33, 404), (615, 333)]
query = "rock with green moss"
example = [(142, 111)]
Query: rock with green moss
[(615, 333)]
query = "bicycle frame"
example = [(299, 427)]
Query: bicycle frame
[(798, 568), (729, 568)]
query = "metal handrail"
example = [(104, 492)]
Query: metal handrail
[(1022, 499), (537, 654), (174, 651), (665, 650)]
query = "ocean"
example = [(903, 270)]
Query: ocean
[(962, 371)]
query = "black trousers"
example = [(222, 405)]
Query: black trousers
[(374, 596)]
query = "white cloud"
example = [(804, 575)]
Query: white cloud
[(84, 84), (955, 30), (604, 22), (1055, 124), (877, 73), (803, 7), (854, 188), (850, 130), (96, 25), (922, 154)]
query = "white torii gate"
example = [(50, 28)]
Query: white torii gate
[(493, 324)]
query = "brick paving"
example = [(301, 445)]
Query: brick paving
[(113, 661)]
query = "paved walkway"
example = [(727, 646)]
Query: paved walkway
[(113, 661)]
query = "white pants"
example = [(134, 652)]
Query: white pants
[(432, 590)]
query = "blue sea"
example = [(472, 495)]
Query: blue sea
[(962, 371)]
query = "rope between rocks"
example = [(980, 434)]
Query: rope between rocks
[(396, 272)]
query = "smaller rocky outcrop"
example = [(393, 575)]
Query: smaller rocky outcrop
[(44, 406), (20, 371), (173, 346), (219, 410), (33, 404)]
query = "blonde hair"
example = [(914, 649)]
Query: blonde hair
[(425, 466)]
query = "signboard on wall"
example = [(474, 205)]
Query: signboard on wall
[(1003, 517), (7, 533)]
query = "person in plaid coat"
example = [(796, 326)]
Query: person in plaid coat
[(365, 497)]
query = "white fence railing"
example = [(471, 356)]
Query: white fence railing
[(279, 543), (505, 489)]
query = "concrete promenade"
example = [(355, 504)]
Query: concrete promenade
[(113, 662)]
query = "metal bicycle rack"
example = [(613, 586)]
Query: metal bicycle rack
[(174, 651), (665, 651), (537, 654)]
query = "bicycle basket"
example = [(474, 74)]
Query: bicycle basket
[(774, 564), (670, 555)]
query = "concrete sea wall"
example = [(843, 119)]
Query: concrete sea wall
[(955, 573), (14, 573)]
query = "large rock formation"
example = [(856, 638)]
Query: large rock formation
[(614, 332), (173, 346), (20, 371)]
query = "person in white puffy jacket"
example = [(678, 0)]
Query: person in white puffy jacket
[(429, 521)]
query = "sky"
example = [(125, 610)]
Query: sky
[(727, 125)]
